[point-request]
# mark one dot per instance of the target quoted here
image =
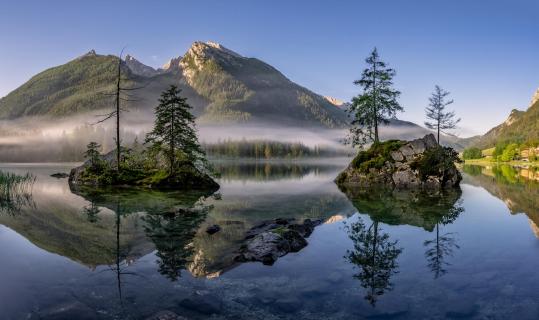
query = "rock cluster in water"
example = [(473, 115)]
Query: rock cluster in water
[(186, 177), (398, 164), (273, 239)]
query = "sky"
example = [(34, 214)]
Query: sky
[(486, 53)]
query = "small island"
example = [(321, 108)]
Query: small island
[(170, 158), (419, 163)]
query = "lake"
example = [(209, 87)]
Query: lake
[(124, 254)]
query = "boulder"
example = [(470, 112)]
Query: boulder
[(395, 164), (273, 239)]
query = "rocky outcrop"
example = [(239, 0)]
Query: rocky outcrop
[(273, 239), (139, 68), (402, 165), (186, 176), (535, 98)]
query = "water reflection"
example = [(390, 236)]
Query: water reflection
[(517, 187), (375, 254), (438, 250), (172, 234), (15, 192), (415, 208), (271, 170)]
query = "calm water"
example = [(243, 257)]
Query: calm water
[(468, 254)]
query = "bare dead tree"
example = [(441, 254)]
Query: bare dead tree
[(120, 94)]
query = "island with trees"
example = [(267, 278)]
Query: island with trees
[(421, 163), (170, 158)]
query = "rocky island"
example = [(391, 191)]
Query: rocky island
[(170, 158), (397, 164)]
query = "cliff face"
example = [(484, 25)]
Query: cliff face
[(419, 163)]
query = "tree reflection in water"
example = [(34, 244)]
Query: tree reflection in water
[(375, 255), (92, 212), (443, 246), (173, 233)]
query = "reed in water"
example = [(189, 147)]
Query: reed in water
[(15, 191)]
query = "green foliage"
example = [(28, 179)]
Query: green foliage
[(472, 153), (376, 156), (174, 130), (436, 162), (510, 152), (71, 88), (376, 105), (92, 153)]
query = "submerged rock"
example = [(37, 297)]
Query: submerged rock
[(419, 163), (273, 239), (60, 175), (213, 229)]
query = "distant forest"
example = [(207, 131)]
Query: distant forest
[(266, 149), (69, 146)]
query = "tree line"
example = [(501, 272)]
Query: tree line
[(268, 149)]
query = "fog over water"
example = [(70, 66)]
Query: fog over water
[(38, 139)]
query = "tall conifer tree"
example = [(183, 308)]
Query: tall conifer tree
[(174, 131), (376, 105), (441, 119)]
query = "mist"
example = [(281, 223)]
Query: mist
[(43, 139)]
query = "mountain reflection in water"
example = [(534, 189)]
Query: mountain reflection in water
[(128, 254), (517, 187)]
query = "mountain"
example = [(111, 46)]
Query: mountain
[(220, 84), (139, 68), (520, 126), (337, 102), (406, 130)]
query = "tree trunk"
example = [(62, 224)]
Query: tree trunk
[(118, 115), (172, 149), (374, 103)]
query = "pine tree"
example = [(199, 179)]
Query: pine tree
[(376, 105), (174, 130), (441, 120), (92, 153)]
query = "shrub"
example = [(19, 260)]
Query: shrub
[(376, 156), (472, 153), (510, 152), (436, 162)]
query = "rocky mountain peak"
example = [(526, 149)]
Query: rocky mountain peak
[(535, 98), (337, 102), (90, 53), (512, 117), (172, 64), (138, 67), (201, 52)]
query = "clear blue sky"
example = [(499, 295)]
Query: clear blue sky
[(485, 52)]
